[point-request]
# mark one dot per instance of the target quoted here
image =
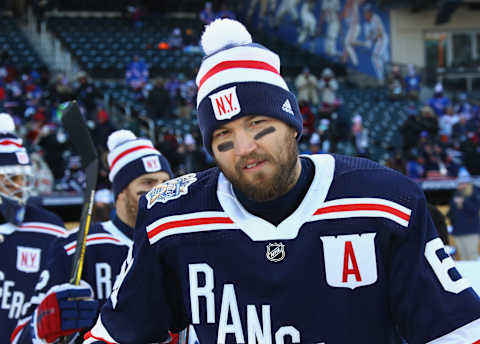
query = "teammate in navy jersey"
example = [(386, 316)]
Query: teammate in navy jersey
[(26, 231), (135, 168), (273, 247)]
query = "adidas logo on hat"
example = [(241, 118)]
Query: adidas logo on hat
[(287, 107)]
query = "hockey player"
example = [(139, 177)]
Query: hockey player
[(273, 247), (26, 231), (135, 168), (377, 36)]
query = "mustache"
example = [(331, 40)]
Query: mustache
[(254, 156)]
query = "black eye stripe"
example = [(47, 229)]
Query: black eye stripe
[(264, 132), (225, 146)]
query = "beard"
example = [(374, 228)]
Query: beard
[(131, 207), (267, 187)]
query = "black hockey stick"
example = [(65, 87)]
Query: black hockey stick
[(74, 124)]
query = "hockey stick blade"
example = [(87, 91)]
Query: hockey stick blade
[(74, 124)]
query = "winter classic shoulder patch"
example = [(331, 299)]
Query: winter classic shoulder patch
[(171, 189)]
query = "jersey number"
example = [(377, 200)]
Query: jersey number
[(441, 267)]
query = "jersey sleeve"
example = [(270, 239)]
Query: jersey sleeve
[(429, 299), (139, 309), (55, 271)]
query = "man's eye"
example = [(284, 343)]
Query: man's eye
[(256, 122), (221, 133)]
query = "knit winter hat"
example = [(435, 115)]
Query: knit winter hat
[(130, 157), (14, 159), (12, 153), (239, 78)]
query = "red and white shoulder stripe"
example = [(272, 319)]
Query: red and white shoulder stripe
[(44, 228), (469, 333), (94, 239), (363, 207), (188, 223)]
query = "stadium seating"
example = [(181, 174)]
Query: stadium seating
[(105, 46), (22, 54)]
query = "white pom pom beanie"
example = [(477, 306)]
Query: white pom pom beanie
[(239, 78), (12, 153), (130, 157)]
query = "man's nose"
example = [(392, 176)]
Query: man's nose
[(244, 143)]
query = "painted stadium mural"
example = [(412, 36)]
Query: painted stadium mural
[(355, 32)]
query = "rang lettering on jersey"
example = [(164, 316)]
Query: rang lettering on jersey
[(171, 189)]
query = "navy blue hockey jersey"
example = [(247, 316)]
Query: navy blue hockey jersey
[(23, 252), (359, 261), (106, 248)]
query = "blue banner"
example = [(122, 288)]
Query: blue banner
[(355, 32)]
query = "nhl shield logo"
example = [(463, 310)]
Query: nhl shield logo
[(169, 190), (275, 252)]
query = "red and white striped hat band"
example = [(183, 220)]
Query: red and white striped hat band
[(246, 63), (10, 145), (128, 152)]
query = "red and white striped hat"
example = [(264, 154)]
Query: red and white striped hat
[(131, 157), (239, 78)]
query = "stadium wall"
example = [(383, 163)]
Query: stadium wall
[(408, 31)]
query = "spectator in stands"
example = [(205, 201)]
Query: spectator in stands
[(175, 40), (415, 165), (86, 93), (359, 136), (103, 129), (439, 101), (62, 89), (207, 15), (53, 150), (328, 87), (428, 121), (396, 87), (137, 73), (74, 177), (463, 107), (315, 145), (446, 123), (464, 216), (308, 121), (307, 87), (397, 162), (461, 128), (43, 181), (158, 102), (103, 206), (413, 83), (187, 97), (440, 223), (225, 12), (193, 157)]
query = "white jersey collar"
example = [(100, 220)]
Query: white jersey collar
[(110, 227), (259, 229), (7, 228)]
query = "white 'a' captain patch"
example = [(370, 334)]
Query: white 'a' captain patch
[(28, 259), (171, 189), (151, 163), (225, 103), (350, 260)]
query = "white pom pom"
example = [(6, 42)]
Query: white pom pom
[(6, 124), (223, 32), (118, 137)]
